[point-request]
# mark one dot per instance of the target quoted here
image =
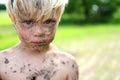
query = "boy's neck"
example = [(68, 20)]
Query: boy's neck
[(35, 50)]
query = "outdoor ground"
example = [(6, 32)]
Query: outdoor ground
[(96, 48)]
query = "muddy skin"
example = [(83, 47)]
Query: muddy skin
[(22, 14), (33, 78), (5, 72), (53, 63), (73, 66), (29, 65), (14, 71), (22, 69), (11, 68), (6, 61), (63, 62), (45, 74), (77, 73), (30, 70)]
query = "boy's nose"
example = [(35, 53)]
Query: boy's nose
[(38, 31)]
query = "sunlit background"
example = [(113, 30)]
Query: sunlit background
[(89, 30)]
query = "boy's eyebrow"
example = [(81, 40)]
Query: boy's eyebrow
[(12, 3)]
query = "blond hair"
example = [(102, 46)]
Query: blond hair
[(27, 9)]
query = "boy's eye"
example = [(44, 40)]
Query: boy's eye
[(49, 21), (28, 22)]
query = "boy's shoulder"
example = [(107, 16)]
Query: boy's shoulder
[(63, 55), (4, 54), (68, 64), (66, 56)]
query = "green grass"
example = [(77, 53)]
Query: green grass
[(4, 19)]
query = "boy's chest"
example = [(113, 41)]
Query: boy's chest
[(33, 75), (48, 70)]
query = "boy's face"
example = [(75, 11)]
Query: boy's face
[(36, 34)]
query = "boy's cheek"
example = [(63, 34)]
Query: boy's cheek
[(23, 37)]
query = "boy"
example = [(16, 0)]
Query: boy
[(34, 58)]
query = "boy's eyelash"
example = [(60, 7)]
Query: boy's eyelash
[(28, 21), (49, 21), (45, 22)]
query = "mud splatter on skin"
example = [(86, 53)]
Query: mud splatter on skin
[(29, 65), (30, 70), (5, 72), (46, 74), (51, 29), (43, 60), (53, 63), (63, 62), (14, 71), (77, 75), (11, 68), (22, 69), (33, 78), (6, 61), (54, 72), (73, 66)]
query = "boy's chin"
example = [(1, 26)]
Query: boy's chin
[(40, 47)]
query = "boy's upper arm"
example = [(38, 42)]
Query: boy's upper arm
[(71, 68), (0, 64), (1, 61), (73, 72)]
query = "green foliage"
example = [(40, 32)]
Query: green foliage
[(2, 7), (93, 10), (99, 10), (74, 7)]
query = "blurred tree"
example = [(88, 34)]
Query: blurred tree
[(2, 7), (93, 10), (98, 10), (74, 6), (117, 3)]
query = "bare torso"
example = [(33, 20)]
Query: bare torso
[(53, 65)]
